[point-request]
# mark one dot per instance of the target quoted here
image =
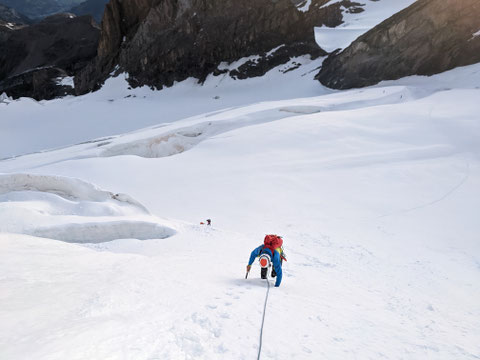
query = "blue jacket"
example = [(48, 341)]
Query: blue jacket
[(277, 265)]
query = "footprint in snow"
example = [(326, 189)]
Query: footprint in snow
[(307, 350), (225, 316), (221, 349), (205, 323), (236, 297)]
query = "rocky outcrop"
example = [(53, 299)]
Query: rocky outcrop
[(158, 42), (429, 37), (95, 8), (59, 46)]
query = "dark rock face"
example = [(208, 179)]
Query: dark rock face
[(62, 42), (265, 62), (158, 42), (94, 8), (429, 37)]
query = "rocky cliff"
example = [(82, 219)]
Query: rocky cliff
[(63, 42), (158, 42), (429, 37)]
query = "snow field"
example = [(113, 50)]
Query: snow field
[(376, 192), (177, 137)]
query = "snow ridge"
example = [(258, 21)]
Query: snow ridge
[(72, 210), (68, 188)]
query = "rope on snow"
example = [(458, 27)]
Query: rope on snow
[(263, 319)]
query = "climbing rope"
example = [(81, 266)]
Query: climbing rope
[(263, 319)]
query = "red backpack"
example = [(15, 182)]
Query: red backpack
[(272, 242)]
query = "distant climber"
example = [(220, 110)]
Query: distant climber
[(270, 253), (209, 222)]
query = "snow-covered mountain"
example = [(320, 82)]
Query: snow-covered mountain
[(185, 41), (398, 47), (266, 44)]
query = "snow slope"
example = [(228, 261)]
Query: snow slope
[(177, 137), (376, 192), (71, 210)]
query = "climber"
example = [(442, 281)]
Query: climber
[(270, 253)]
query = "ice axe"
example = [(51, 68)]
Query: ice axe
[(246, 275)]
